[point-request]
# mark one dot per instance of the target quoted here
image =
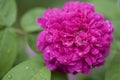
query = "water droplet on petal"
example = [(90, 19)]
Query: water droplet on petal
[(80, 53), (65, 60), (68, 43)]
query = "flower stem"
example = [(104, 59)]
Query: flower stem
[(19, 31)]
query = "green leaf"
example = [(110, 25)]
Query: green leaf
[(8, 12), (22, 54), (8, 50), (33, 69), (31, 40), (28, 21), (58, 76), (43, 74), (113, 71)]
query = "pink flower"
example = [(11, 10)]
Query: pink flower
[(75, 38)]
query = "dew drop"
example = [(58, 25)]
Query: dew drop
[(26, 67), (9, 77)]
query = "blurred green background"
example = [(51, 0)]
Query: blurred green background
[(18, 24)]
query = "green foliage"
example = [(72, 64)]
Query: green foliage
[(21, 51), (8, 50), (42, 74), (29, 24), (32, 69), (21, 15), (58, 76), (95, 74), (113, 71), (8, 12), (28, 21), (31, 39)]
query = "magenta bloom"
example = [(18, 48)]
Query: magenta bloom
[(74, 38)]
